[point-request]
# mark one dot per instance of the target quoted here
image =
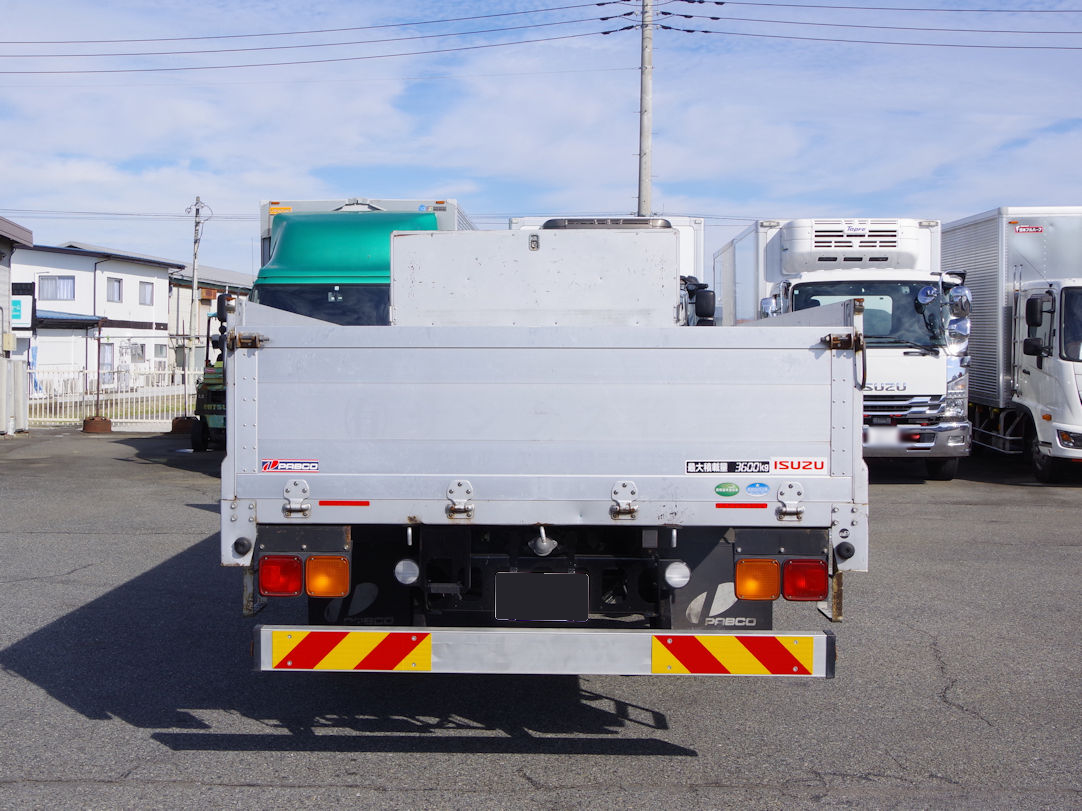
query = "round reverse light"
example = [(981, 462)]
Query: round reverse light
[(677, 574), (406, 571)]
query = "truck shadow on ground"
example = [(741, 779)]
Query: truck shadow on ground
[(171, 450), (168, 651), (986, 467)]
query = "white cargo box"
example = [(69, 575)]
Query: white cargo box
[(535, 278)]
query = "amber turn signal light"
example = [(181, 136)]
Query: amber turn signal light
[(326, 576), (758, 579)]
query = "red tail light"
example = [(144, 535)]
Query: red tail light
[(280, 576), (805, 580)]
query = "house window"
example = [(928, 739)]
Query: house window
[(146, 292), (160, 351), (114, 289), (56, 288), (138, 353)]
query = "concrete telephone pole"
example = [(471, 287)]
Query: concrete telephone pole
[(198, 206), (646, 120)]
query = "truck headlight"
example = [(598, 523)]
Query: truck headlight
[(954, 405), (1069, 440), (958, 336)]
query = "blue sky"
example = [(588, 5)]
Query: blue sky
[(776, 117)]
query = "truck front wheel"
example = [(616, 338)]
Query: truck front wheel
[(942, 470), (1046, 468), (200, 435)]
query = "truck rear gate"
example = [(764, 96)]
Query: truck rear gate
[(587, 411)]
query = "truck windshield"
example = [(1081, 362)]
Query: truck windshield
[(345, 304), (893, 312), (1071, 323)]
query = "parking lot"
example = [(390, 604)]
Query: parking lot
[(127, 681)]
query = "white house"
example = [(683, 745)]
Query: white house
[(81, 296), (13, 312)]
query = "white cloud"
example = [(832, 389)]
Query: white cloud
[(743, 127)]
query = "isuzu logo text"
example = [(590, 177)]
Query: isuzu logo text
[(812, 464)]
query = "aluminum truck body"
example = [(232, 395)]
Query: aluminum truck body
[(505, 478), (1024, 266)]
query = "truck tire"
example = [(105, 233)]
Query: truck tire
[(1046, 469), (942, 470), (200, 435)]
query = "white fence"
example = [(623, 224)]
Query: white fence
[(141, 398)]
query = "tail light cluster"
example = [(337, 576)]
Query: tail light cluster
[(316, 576), (795, 579)]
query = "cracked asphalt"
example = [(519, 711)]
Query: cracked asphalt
[(125, 677)]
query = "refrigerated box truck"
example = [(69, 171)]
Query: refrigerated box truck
[(915, 319)]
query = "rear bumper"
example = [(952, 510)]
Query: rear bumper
[(561, 651), (943, 441)]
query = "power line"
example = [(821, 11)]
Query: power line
[(315, 44), (877, 42), (312, 61), (886, 8), (852, 25), (311, 31)]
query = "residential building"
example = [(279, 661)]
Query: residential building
[(14, 311), (94, 309)]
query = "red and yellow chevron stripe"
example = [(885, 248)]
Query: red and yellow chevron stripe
[(748, 655), (351, 650)]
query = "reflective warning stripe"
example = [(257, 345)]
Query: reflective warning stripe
[(568, 650), (350, 650), (743, 655)]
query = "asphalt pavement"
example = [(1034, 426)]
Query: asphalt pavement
[(126, 680)]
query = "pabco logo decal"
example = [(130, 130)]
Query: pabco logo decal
[(289, 465), (798, 464), (1029, 229)]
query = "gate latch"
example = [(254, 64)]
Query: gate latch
[(624, 495), (460, 493), (296, 496), (789, 494)]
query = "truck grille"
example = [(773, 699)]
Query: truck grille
[(898, 409)]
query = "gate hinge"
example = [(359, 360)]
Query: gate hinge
[(789, 494), (846, 341), (250, 340), (296, 496), (459, 492), (624, 494)]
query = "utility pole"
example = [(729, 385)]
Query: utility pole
[(194, 316), (646, 88), (198, 207)]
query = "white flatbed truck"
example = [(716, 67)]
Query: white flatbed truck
[(537, 467)]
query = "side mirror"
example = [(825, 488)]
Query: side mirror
[(704, 304), (1032, 346), (768, 307), (226, 305), (1034, 311), (959, 301)]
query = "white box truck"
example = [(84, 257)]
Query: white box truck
[(505, 479), (915, 319), (1024, 266)]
